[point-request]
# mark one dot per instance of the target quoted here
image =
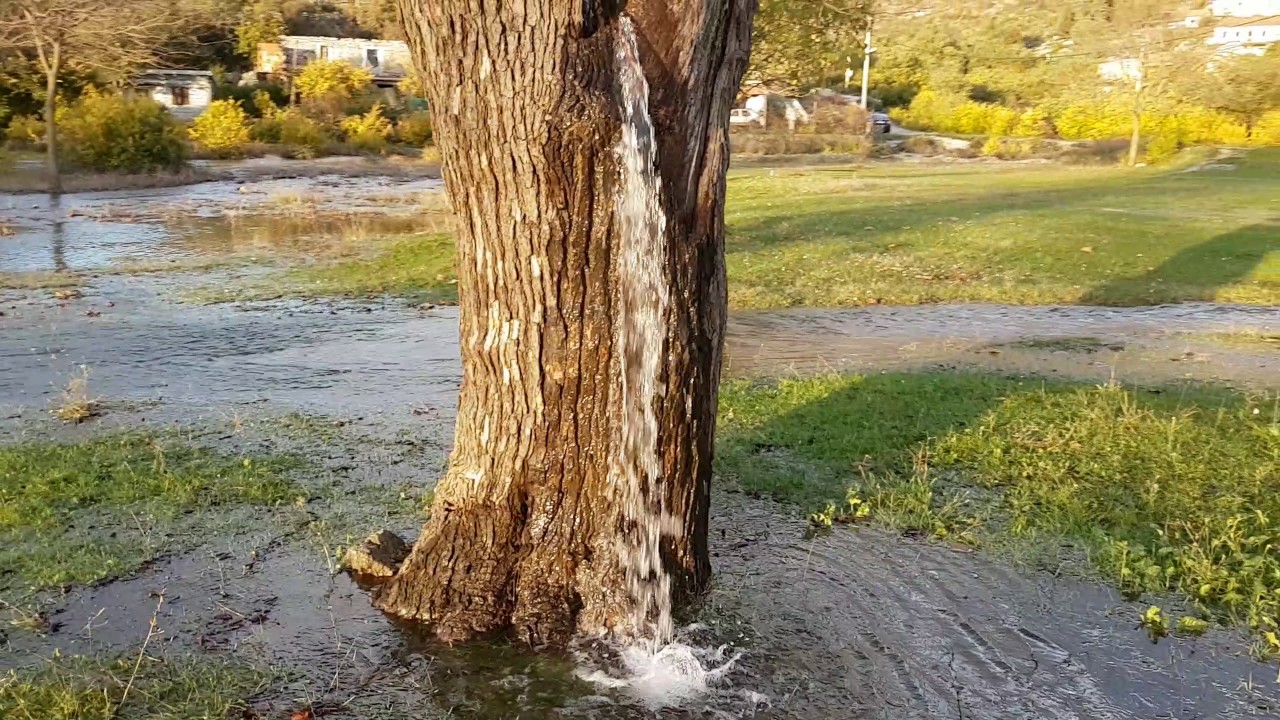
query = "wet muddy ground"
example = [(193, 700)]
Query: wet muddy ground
[(855, 624)]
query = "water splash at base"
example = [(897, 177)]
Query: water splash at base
[(689, 672)]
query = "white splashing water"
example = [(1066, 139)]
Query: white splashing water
[(658, 666), (639, 330)]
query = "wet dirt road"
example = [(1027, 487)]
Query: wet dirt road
[(858, 624)]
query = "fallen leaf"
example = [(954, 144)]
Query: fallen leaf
[(1087, 249)]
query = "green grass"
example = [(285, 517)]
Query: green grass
[(38, 280), (1164, 491), (415, 266), (84, 688), (419, 267), (839, 236), (86, 512), (1016, 234)]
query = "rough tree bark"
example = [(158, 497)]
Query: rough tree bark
[(523, 533)]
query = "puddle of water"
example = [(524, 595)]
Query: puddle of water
[(318, 215)]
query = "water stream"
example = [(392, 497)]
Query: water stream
[(660, 666)]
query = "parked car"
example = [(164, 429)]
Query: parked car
[(742, 116), (881, 122)]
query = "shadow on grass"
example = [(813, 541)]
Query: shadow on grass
[(844, 217), (805, 441), (1196, 272)]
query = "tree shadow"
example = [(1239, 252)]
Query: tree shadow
[(1196, 272), (866, 223), (807, 441)]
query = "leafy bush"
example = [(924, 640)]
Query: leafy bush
[(1266, 131), (415, 128), (833, 118), (117, 133), (222, 129), (248, 95), (304, 136), (931, 110), (921, 145), (1162, 148), (369, 131), (1034, 122), (265, 104), (25, 132), (332, 78)]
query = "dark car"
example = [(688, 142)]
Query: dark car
[(881, 122)]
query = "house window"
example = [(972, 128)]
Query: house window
[(181, 96), (324, 52), (371, 57)]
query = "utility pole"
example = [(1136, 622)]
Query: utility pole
[(866, 67)]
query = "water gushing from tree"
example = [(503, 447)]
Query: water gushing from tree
[(640, 333), (659, 665)]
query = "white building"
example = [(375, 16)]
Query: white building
[(1120, 69), (1244, 8), (388, 60), (185, 92), (1246, 36)]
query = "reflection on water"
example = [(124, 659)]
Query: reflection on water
[(98, 231)]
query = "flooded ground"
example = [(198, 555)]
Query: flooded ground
[(239, 218), (856, 624), (1146, 345)]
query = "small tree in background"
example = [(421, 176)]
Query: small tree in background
[(369, 131), (262, 22), (116, 133), (86, 36), (222, 129)]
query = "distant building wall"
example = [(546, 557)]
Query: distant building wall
[(1244, 8), (388, 60), (1248, 37), (186, 93)]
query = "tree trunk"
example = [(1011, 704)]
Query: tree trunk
[(51, 120), (1135, 138), (530, 528)]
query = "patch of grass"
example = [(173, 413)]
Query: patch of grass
[(832, 237), (416, 266), (38, 280), (1164, 491), (419, 267), (1245, 340), (1083, 344), (87, 688), (100, 509), (839, 236)]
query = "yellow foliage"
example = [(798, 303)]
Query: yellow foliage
[(222, 129), (368, 131), (332, 78), (1267, 130)]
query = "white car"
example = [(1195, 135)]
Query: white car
[(742, 116)]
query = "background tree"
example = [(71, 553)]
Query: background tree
[(800, 44), (1246, 86), (526, 526), (85, 36), (262, 22)]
